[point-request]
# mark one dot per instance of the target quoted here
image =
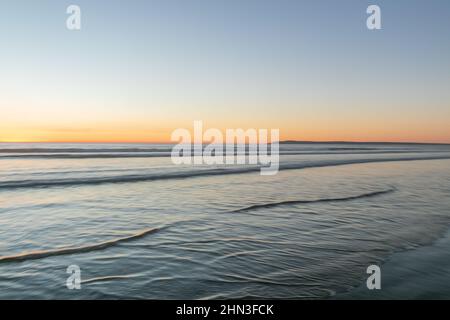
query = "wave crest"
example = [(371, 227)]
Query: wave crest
[(70, 250), (293, 202), (46, 183)]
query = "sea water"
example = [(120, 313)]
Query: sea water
[(139, 226)]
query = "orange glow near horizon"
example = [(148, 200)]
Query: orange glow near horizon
[(162, 134), (157, 128)]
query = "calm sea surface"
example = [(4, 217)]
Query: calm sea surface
[(140, 227)]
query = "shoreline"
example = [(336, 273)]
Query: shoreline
[(419, 273)]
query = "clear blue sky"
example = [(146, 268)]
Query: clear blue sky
[(139, 69)]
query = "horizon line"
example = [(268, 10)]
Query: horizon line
[(280, 142)]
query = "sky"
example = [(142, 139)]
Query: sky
[(138, 70)]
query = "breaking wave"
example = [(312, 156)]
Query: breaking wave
[(71, 250), (293, 202), (44, 183)]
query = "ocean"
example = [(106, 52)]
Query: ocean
[(140, 227)]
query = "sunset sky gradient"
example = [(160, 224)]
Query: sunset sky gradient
[(140, 69)]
